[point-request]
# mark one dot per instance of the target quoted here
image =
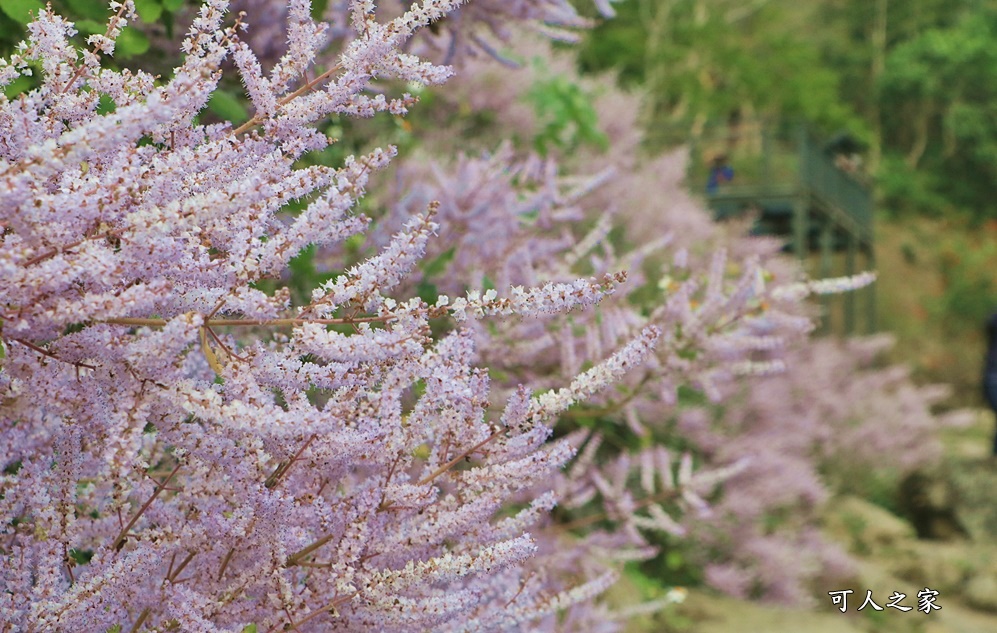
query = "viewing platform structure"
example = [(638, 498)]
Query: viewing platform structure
[(813, 193)]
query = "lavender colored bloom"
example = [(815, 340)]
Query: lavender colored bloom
[(183, 447)]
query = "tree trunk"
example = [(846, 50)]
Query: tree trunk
[(878, 63)]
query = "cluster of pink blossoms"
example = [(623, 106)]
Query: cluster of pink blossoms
[(183, 450), (475, 28), (731, 312)]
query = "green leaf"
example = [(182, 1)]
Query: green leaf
[(427, 292), (438, 265), (131, 42), (21, 11), (91, 9), (80, 556), (90, 27), (19, 86), (318, 8), (249, 628), (228, 107), (355, 242), (106, 105), (148, 10), (172, 5), (303, 264), (72, 328)]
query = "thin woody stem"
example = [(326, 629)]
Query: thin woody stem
[(222, 344), (107, 33), (172, 576), (298, 557), (69, 564), (225, 562), (522, 586), (62, 249), (48, 354), (256, 120), (218, 306), (453, 462), (303, 553), (283, 467), (140, 620), (119, 539), (142, 322), (611, 408), (315, 613)]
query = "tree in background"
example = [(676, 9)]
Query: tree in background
[(701, 60), (911, 79), (938, 98)]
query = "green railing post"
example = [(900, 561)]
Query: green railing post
[(801, 203), (850, 296), (871, 291), (800, 227), (826, 238), (766, 155)]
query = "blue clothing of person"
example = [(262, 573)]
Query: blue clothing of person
[(990, 369), (718, 176)]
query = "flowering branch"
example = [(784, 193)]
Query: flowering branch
[(119, 540), (307, 87)]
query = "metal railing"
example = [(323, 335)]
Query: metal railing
[(780, 160), (832, 185)]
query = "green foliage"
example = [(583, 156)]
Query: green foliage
[(939, 319), (304, 275), (969, 292), (904, 189), (106, 105), (75, 327), (80, 557), (130, 43), (148, 10), (943, 84), (228, 106), (90, 27), (438, 265), (704, 60), (566, 116), (916, 80), (20, 85), (89, 9), (21, 11), (679, 565)]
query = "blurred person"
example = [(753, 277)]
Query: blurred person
[(990, 369), (720, 173)]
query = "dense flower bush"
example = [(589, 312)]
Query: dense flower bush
[(732, 323), (187, 444), (184, 450)]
